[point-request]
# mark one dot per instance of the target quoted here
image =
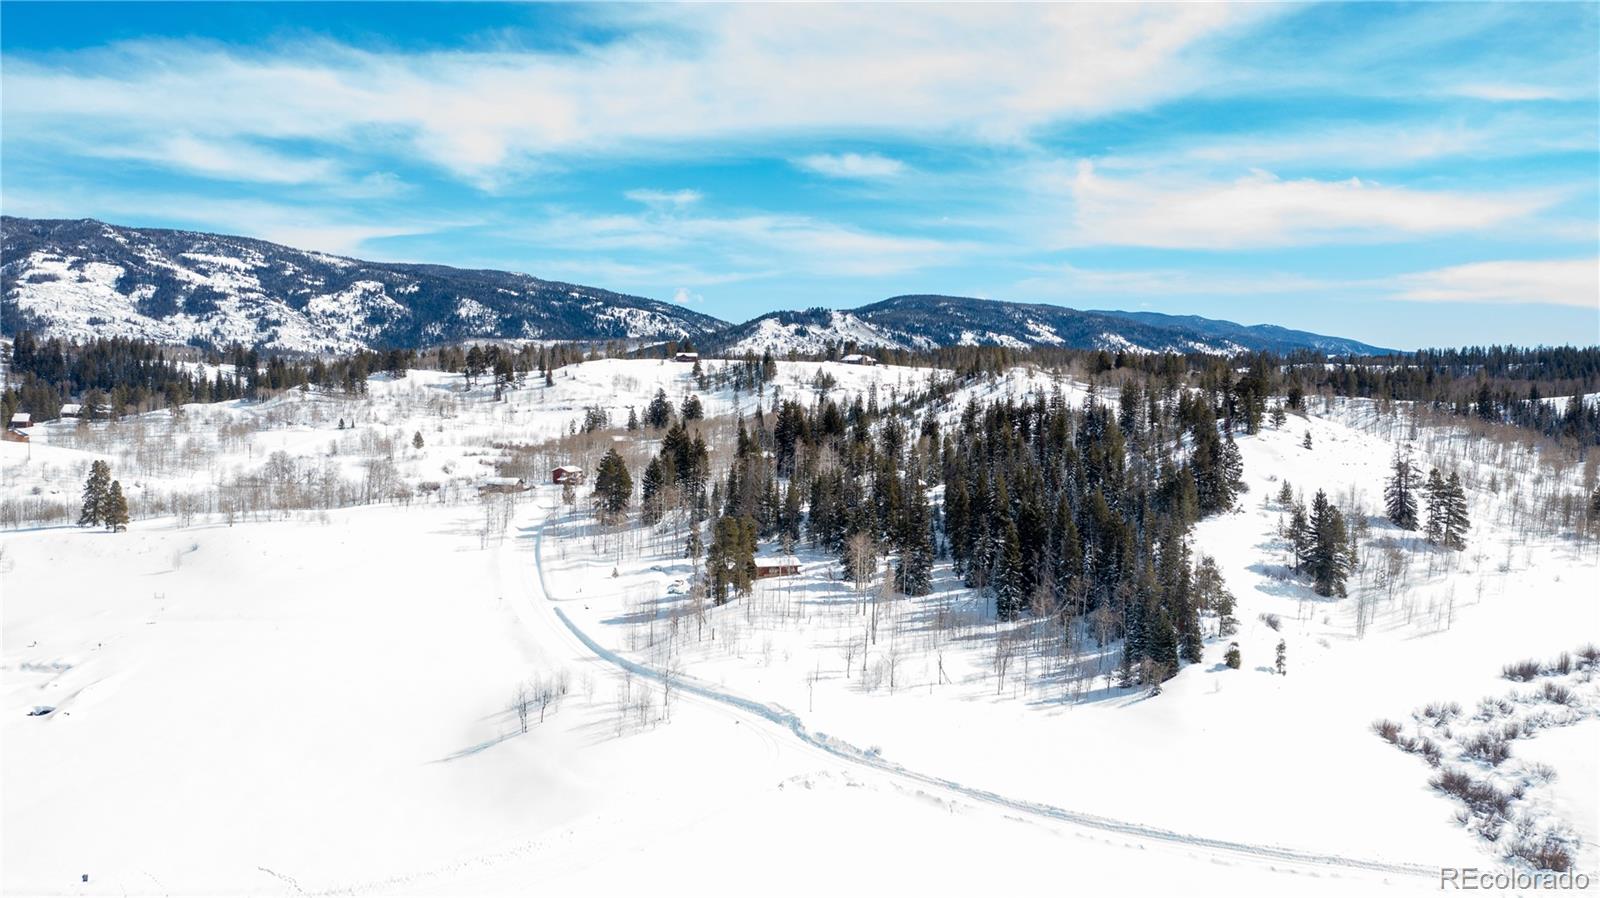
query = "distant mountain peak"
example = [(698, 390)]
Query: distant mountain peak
[(924, 321), (83, 278)]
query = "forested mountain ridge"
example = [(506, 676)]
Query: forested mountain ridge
[(83, 278), (923, 322), (86, 279)]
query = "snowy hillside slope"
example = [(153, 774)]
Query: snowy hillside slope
[(84, 278), (338, 683), (338, 686), (358, 739), (1221, 752), (810, 332), (162, 455)]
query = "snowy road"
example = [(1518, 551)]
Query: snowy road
[(768, 714)]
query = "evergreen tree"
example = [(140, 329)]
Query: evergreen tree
[(650, 487), (1400, 495), (1010, 583), (914, 573), (1232, 465), (1307, 441), (730, 563), (1281, 663), (1163, 640), (658, 414), (416, 441), (613, 485), (116, 508), (94, 495), (1456, 521), (1438, 506), (1299, 536), (1231, 658), (692, 409), (1329, 546)]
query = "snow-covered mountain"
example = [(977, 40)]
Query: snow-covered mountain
[(85, 278), (810, 331), (923, 322)]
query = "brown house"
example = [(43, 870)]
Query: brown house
[(567, 474), (686, 357), (777, 566)]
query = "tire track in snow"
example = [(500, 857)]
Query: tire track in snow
[(839, 748)]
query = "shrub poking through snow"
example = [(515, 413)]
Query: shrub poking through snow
[(1490, 748), (1506, 802), (1387, 730), (1556, 693), (1480, 796), (1441, 712), (1520, 671)]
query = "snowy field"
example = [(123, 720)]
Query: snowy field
[(287, 697)]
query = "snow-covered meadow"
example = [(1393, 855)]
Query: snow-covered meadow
[(311, 686)]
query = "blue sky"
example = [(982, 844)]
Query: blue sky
[(1404, 174)]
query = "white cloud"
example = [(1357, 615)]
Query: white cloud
[(1510, 93), (329, 229), (665, 199), (683, 296), (851, 165), (758, 244), (1071, 280), (1263, 211), (225, 159), (1353, 147), (985, 73), (1564, 282)]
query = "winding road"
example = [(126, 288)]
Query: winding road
[(762, 713)]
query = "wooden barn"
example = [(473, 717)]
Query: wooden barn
[(690, 357), (16, 433), (856, 358), (777, 566), (567, 474)]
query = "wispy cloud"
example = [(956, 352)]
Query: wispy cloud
[(1069, 280), (983, 73), (764, 243), (665, 199), (1564, 282), (1262, 210), (324, 228), (222, 159), (851, 165)]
